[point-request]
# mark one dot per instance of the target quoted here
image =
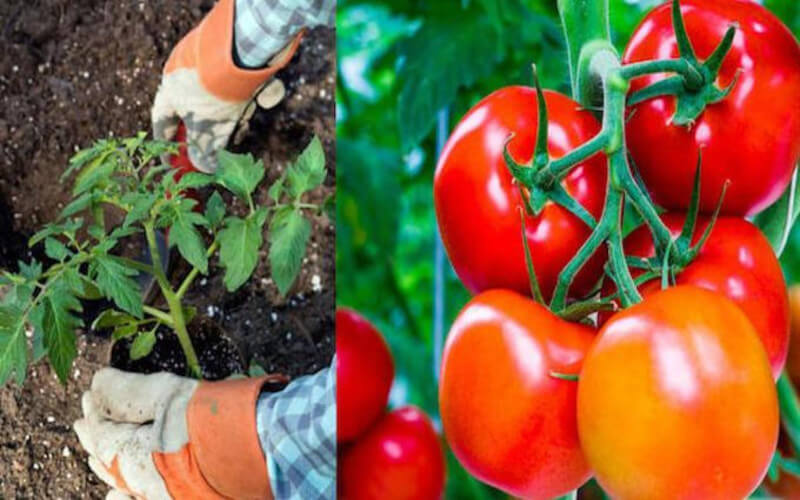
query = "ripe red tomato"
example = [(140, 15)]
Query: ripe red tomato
[(793, 357), (364, 373), (675, 400), (736, 261), (752, 137), (508, 421), (477, 204), (399, 458)]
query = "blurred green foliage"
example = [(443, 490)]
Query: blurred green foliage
[(401, 62)]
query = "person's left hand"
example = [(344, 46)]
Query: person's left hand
[(162, 436)]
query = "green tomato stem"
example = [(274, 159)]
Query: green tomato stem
[(195, 272), (790, 408), (174, 303)]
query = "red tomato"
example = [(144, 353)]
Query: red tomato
[(675, 400), (736, 261), (752, 137), (508, 421), (399, 458), (181, 161), (364, 373), (477, 204)]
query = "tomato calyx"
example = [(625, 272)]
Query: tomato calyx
[(536, 190), (695, 88)]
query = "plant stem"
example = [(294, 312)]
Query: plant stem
[(174, 303), (790, 408), (187, 282), (135, 264), (159, 315)]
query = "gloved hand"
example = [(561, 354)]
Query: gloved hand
[(204, 88), (162, 436)]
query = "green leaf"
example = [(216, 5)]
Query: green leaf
[(308, 171), (69, 227), (437, 61), (276, 190), (111, 318), (124, 331), (140, 207), (143, 345), (194, 180), (96, 232), (13, 345), (240, 174), (288, 236), (186, 237), (329, 207), (56, 323), (96, 175), (256, 370), (777, 220), (31, 271), (115, 282), (55, 249), (79, 204), (239, 243), (215, 210)]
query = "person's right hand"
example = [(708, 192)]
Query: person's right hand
[(204, 88)]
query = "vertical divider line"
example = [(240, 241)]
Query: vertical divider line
[(442, 130)]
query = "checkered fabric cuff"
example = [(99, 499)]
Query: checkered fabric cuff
[(297, 429), (264, 27)]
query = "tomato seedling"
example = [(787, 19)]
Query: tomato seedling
[(124, 177)]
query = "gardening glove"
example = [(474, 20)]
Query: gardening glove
[(162, 436), (204, 88)]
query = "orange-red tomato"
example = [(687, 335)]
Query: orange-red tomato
[(793, 358), (507, 419), (676, 400), (399, 458), (736, 261), (364, 374)]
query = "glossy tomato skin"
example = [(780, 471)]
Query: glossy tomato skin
[(676, 400), (752, 137), (793, 358), (364, 374), (508, 421), (736, 261), (399, 458), (478, 206)]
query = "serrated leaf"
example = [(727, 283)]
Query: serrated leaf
[(31, 271), (115, 282), (69, 227), (194, 180), (143, 344), (13, 346), (288, 237), (439, 59), (55, 249), (111, 318), (96, 232), (215, 210), (79, 204), (239, 243), (308, 171), (186, 237), (95, 175), (777, 220), (122, 232), (276, 189), (140, 208), (56, 323), (240, 174)]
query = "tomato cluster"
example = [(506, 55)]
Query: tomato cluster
[(673, 396), (393, 455)]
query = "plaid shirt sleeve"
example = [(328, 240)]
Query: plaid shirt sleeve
[(297, 429), (264, 27)]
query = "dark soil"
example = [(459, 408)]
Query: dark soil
[(72, 71), (218, 356)]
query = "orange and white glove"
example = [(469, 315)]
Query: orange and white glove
[(203, 87), (162, 436)]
